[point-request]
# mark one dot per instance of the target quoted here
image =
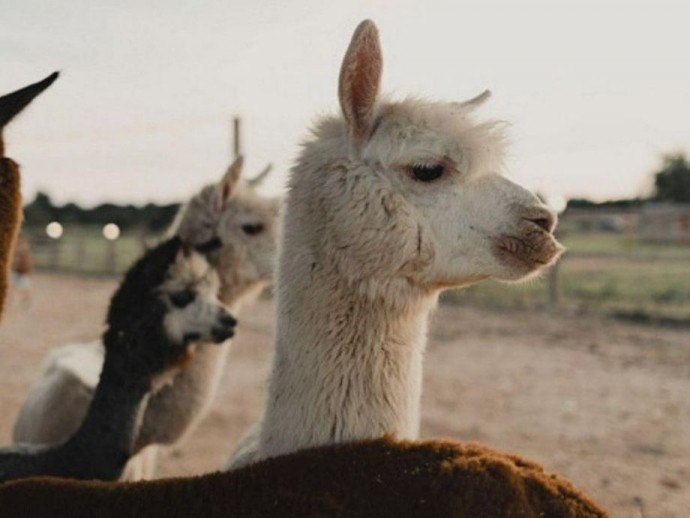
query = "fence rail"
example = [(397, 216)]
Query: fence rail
[(601, 273), (85, 250)]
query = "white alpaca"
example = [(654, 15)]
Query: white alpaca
[(387, 206), (236, 229)]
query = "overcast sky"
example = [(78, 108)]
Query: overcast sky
[(595, 91)]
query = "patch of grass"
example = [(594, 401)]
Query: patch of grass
[(602, 244), (603, 273)]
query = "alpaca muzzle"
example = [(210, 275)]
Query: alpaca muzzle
[(533, 246)]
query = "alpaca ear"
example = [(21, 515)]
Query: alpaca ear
[(360, 79), (477, 101), (11, 104), (258, 179), (228, 183)]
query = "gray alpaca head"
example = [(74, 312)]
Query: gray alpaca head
[(236, 229)]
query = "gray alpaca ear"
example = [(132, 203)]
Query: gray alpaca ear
[(475, 102), (259, 178), (360, 79), (228, 183)]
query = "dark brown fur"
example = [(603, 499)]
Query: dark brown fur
[(10, 219), (10, 179), (377, 478)]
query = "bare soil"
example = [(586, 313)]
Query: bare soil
[(602, 402)]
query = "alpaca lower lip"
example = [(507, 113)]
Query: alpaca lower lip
[(530, 253), (220, 334), (191, 337)]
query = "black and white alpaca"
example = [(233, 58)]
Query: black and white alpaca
[(167, 300)]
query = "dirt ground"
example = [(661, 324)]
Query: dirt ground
[(604, 403)]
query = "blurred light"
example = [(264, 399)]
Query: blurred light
[(54, 230), (111, 231), (557, 202)]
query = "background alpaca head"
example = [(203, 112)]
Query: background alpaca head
[(236, 229), (410, 192), (167, 300)]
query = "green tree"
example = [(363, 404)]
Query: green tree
[(673, 181), (40, 211)]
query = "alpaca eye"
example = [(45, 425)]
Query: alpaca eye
[(182, 298), (209, 246), (252, 229), (427, 173)]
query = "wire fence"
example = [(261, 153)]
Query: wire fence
[(604, 273), (84, 250)]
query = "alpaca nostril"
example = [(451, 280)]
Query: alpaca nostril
[(542, 223), (228, 320), (544, 219), (220, 334)]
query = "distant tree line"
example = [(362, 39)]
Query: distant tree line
[(150, 217), (671, 184)]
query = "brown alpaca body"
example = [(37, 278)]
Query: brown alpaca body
[(379, 478), (10, 179), (10, 219)]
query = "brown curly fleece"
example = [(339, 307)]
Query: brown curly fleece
[(377, 478)]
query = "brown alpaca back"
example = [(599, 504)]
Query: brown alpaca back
[(373, 478), (10, 179), (10, 218)]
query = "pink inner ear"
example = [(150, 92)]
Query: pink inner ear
[(364, 91), (360, 77), (226, 194)]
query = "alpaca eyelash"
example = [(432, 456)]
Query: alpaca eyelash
[(209, 246), (426, 165), (252, 229), (427, 172), (182, 298)]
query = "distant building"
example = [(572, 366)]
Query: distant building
[(664, 222), (601, 219)]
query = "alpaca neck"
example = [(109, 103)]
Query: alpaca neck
[(175, 409), (101, 446), (348, 364), (106, 436)]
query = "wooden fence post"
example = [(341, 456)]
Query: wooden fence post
[(554, 285)]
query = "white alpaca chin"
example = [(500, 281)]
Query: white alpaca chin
[(388, 205)]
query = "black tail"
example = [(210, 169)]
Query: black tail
[(12, 104)]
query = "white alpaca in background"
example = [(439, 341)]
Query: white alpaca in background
[(235, 228), (387, 206)]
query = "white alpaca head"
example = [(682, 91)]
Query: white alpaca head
[(236, 229), (190, 295), (411, 191)]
